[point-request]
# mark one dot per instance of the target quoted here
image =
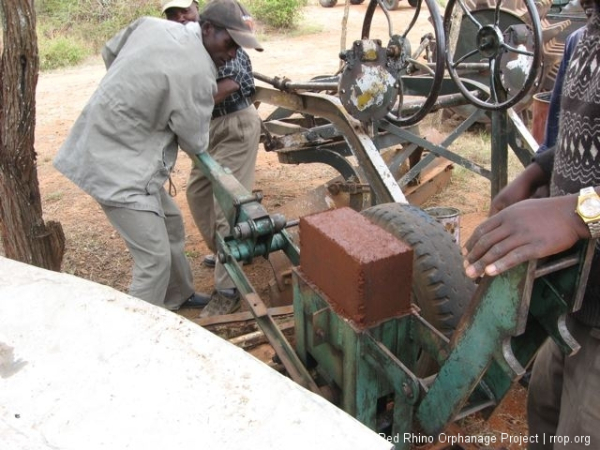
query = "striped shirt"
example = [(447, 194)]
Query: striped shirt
[(239, 70)]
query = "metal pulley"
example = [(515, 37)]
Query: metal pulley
[(368, 86)]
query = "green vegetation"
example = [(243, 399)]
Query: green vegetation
[(71, 30), (53, 197), (61, 51), (277, 13)]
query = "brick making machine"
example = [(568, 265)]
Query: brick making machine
[(387, 325), (361, 339)]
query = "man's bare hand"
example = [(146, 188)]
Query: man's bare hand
[(526, 230)]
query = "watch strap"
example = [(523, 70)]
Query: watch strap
[(587, 191), (594, 228)]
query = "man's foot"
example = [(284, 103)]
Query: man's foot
[(209, 261), (197, 300), (225, 301)]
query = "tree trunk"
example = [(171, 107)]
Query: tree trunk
[(24, 234)]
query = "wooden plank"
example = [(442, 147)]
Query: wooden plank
[(242, 316), (434, 178)]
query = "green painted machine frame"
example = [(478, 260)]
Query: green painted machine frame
[(373, 370), (371, 373)]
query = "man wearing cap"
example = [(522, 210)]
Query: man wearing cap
[(233, 143), (182, 11), (234, 137), (156, 96)]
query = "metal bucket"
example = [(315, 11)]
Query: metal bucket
[(449, 217), (541, 104)]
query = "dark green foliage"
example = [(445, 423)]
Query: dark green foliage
[(277, 13), (71, 30)]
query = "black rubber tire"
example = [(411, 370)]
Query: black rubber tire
[(356, 2), (413, 3), (328, 3), (441, 288)]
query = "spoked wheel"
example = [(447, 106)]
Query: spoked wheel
[(503, 44), (399, 44), (440, 287)]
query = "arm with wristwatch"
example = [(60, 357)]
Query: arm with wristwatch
[(521, 228)]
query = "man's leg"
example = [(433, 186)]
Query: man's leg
[(181, 283), (234, 144), (580, 405), (146, 237), (238, 135), (544, 395), (564, 393)]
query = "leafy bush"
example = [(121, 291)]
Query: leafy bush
[(61, 52), (70, 30), (89, 21), (277, 13)]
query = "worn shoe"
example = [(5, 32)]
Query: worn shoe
[(197, 300), (209, 261), (225, 301)]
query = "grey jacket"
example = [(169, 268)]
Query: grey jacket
[(156, 95)]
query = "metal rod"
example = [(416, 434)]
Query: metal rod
[(443, 101), (276, 338), (284, 84), (557, 265)]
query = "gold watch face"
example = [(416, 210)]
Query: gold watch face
[(590, 207)]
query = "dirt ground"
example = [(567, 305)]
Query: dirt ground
[(95, 251)]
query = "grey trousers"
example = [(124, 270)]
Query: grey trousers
[(563, 404), (233, 144), (161, 272)]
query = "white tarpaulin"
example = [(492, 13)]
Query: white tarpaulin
[(85, 367)]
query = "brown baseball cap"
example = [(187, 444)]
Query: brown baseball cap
[(236, 19)]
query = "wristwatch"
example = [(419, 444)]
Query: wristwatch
[(588, 208)]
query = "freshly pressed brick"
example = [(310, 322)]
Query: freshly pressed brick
[(365, 272)]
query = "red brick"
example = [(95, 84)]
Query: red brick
[(365, 271)]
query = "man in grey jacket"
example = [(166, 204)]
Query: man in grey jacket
[(156, 96), (234, 138)]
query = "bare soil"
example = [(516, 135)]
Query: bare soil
[(96, 252)]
